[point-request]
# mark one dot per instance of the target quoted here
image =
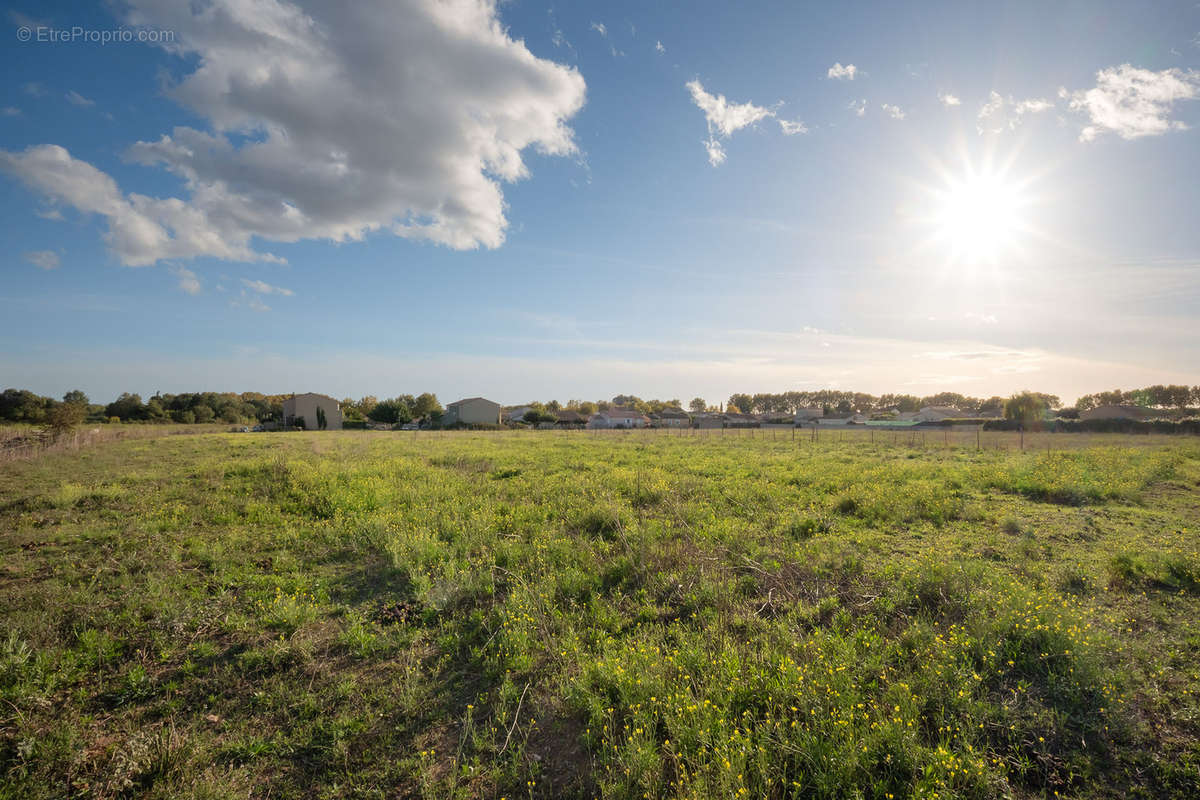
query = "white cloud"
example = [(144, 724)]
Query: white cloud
[(838, 72), (337, 130), (75, 98), (895, 112), (791, 128), (947, 99), (141, 230), (600, 28), (11, 111), (249, 300), (49, 213), (724, 118), (1001, 113), (716, 152), (658, 46), (188, 281), (1133, 102), (859, 107), (34, 89), (265, 288), (43, 259)]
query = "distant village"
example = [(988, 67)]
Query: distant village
[(1165, 408), (317, 411)]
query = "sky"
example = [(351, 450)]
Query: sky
[(553, 201)]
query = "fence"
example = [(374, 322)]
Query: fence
[(22, 442)]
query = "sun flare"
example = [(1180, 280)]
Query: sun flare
[(978, 217)]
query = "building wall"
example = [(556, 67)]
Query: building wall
[(605, 421), (475, 412), (305, 406)]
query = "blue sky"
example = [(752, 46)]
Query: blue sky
[(578, 200)]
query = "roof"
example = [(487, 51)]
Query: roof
[(569, 416), (621, 411), (313, 394), (1114, 408), (470, 400), (674, 413), (943, 409)]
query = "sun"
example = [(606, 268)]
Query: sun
[(977, 217)]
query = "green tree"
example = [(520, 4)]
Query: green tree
[(126, 407), (743, 403), (64, 418), (76, 397), (533, 416), (1025, 408), (427, 405), (391, 411), (697, 405), (322, 422)]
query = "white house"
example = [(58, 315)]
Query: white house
[(619, 417), (308, 410)]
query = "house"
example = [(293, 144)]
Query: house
[(570, 419), (939, 413), (808, 414), (619, 417), (709, 421), (472, 411), (312, 412), (517, 414), (850, 419), (1117, 412), (671, 418)]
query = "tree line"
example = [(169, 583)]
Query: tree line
[(22, 405)]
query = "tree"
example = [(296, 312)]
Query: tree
[(992, 404), (63, 418), (390, 411), (322, 422), (76, 397), (697, 405), (1025, 408), (204, 413), (126, 407), (533, 416), (427, 405), (742, 403)]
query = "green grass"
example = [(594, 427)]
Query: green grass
[(620, 616)]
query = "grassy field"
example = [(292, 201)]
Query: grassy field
[(623, 616)]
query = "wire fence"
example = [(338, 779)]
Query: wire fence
[(20, 442), (26, 442)]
